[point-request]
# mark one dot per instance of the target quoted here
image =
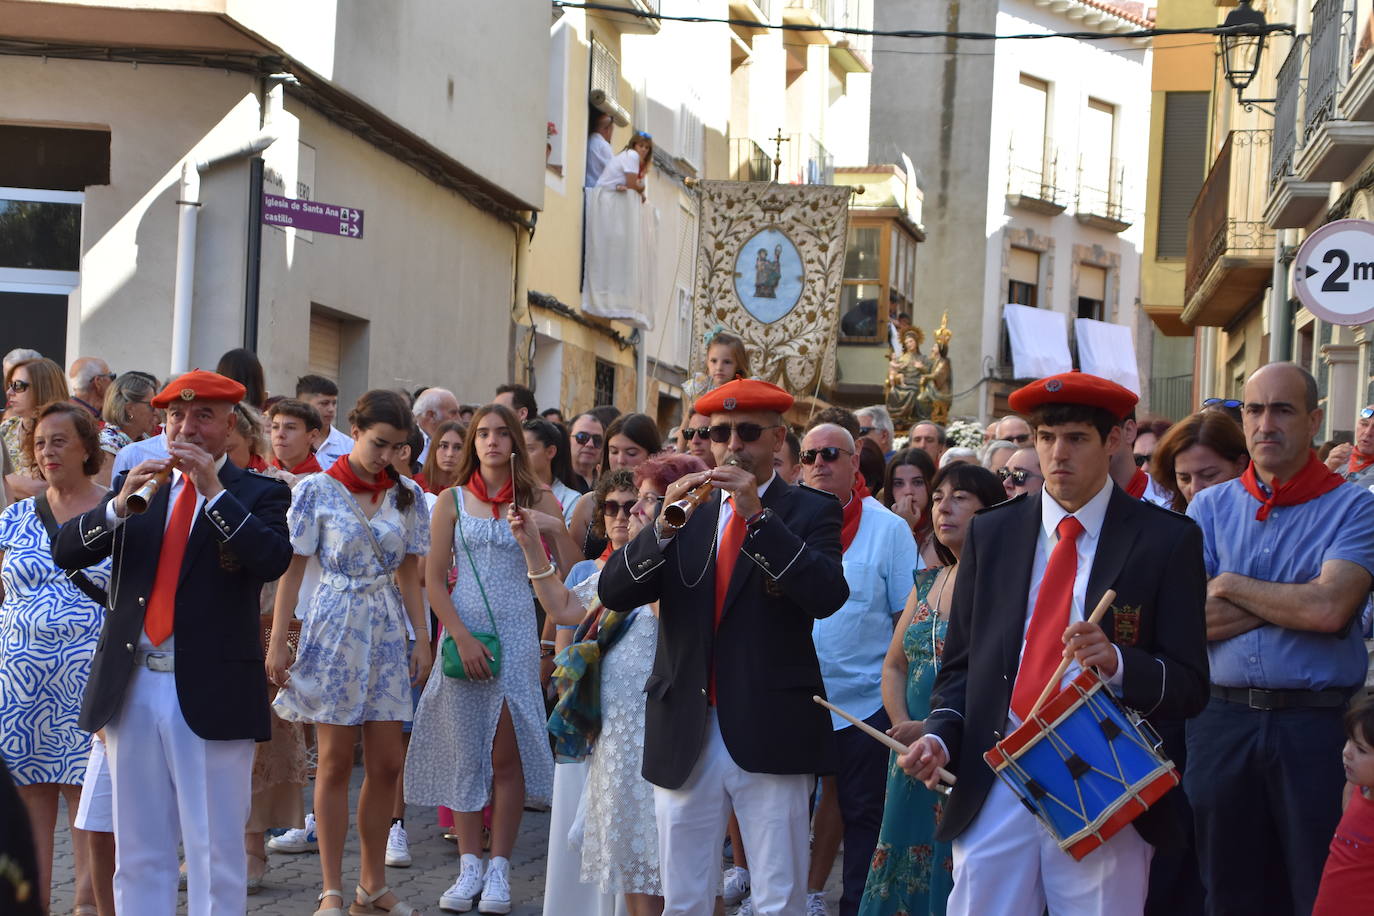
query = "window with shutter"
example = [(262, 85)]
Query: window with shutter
[(326, 349), (605, 71), (1183, 164)]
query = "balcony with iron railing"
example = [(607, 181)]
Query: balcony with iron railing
[(1333, 144), (849, 51), (799, 159), (1098, 202), (1230, 247), (1292, 202), (1033, 179), (748, 161)]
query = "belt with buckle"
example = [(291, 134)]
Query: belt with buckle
[(1268, 700), (154, 660)]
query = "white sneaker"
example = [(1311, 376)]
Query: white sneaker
[(815, 904), (496, 887), (746, 907), (297, 839), (460, 897), (736, 885), (397, 847)]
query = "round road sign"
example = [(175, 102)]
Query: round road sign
[(1333, 273)]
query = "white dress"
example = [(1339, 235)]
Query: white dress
[(620, 830), (353, 664), (449, 760)]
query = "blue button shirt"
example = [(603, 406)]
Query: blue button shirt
[(879, 567), (1290, 547)]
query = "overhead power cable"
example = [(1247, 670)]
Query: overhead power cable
[(1240, 30)]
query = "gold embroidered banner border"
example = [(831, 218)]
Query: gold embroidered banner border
[(797, 349)]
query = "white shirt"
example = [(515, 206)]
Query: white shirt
[(1156, 494), (626, 162), (335, 446), (599, 153)]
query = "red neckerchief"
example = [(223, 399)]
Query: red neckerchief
[(1315, 479), (478, 487), (342, 471), (255, 463), (853, 511), (1358, 461), (310, 465), (1139, 481), (606, 554)]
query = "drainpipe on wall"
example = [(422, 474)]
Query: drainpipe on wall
[(188, 205)]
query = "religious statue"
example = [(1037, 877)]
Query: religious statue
[(904, 376), (935, 395), (768, 273)]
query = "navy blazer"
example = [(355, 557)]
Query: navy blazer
[(788, 574), (234, 548), (1152, 558)]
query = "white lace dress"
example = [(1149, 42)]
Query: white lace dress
[(619, 829)]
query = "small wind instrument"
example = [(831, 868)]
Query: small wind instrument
[(137, 502), (675, 514)]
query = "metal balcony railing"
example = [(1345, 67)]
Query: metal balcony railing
[(855, 14), (820, 165), (1226, 218), (1034, 174), (1328, 67), (1289, 97), (1100, 192), (748, 161)]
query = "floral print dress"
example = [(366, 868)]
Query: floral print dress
[(910, 872), (353, 664)]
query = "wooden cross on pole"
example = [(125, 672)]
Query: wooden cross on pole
[(777, 142)]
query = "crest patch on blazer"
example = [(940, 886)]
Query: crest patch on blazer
[(1126, 625)]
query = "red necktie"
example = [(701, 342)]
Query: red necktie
[(1045, 638), (157, 621), (727, 552)]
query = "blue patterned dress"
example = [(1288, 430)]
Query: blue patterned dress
[(353, 664), (48, 633), (910, 872)]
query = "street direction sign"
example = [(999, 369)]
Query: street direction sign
[(333, 219), (1333, 273)]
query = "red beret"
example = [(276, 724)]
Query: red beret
[(200, 385), (1074, 388), (744, 394)]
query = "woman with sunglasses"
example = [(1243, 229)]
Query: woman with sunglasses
[(30, 385), (631, 439), (899, 882), (906, 491), (1021, 473)]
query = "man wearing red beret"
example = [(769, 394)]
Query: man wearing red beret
[(729, 720), (177, 681), (1031, 571)]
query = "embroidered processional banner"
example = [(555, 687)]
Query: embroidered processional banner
[(770, 258)]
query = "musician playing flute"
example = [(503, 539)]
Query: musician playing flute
[(177, 681), (1031, 569), (729, 720)]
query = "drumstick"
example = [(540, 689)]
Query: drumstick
[(945, 775), (1107, 598)]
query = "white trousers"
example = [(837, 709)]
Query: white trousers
[(169, 784), (1007, 863), (773, 818)]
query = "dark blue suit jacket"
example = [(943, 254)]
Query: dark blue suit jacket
[(235, 546)]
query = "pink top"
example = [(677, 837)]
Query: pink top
[(1348, 879)]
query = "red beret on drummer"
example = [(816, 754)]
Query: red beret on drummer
[(1074, 388), (744, 394), (199, 385)]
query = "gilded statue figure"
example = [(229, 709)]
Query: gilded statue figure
[(904, 377), (935, 395)]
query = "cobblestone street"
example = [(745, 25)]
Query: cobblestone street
[(293, 880)]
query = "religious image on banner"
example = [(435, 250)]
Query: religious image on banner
[(770, 259)]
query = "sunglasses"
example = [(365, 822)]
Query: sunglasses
[(1228, 403), (1366, 413), (584, 438), (747, 432), (613, 508), (1022, 439), (1018, 477), (829, 453), (18, 386), (691, 432), (865, 430)]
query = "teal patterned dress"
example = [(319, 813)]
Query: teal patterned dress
[(911, 873)]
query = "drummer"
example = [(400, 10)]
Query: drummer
[(1034, 567)]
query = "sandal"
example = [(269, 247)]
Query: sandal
[(85, 909), (331, 910), (366, 905), (255, 881)]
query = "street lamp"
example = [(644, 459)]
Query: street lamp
[(1241, 53)]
